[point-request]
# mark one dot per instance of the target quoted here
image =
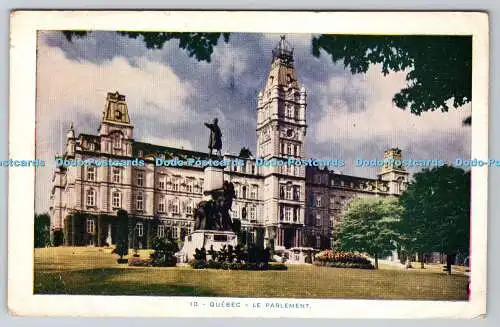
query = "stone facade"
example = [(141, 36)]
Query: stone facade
[(280, 206)]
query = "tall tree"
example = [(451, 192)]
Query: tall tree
[(42, 230), (437, 211), (439, 67), (368, 225)]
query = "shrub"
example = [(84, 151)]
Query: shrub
[(121, 249), (164, 252)]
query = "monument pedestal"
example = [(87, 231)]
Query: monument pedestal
[(213, 180), (205, 238)]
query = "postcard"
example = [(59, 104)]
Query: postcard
[(248, 164)]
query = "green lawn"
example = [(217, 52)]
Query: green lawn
[(94, 271)]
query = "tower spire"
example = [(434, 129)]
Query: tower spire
[(283, 52)]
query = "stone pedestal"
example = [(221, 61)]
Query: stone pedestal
[(213, 180), (205, 238)]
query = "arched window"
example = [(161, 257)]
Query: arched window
[(116, 200), (290, 111), (117, 141), (90, 198)]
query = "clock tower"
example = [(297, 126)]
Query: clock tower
[(116, 132), (281, 129)]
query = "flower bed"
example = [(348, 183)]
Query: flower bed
[(210, 264), (329, 258), (138, 262)]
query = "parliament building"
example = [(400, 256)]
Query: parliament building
[(281, 207)]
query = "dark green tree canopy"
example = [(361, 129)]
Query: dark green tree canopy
[(437, 210)]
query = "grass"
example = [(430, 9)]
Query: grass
[(94, 271)]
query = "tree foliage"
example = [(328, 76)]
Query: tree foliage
[(368, 226), (439, 67), (437, 210), (42, 230)]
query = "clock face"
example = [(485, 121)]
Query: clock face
[(289, 132)]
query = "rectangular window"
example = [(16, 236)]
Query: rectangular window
[(90, 198), (161, 206), (253, 192), (139, 202), (175, 206), (90, 226), (140, 229), (91, 173), (175, 185), (296, 193), (318, 220), (161, 231), (175, 232), (189, 186), (116, 175), (116, 200), (288, 214), (318, 201), (140, 178), (189, 207), (252, 213), (161, 184), (288, 194), (318, 242)]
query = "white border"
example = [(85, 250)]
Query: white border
[(24, 25)]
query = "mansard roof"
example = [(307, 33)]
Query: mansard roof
[(149, 149)]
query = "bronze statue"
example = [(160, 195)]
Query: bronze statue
[(215, 139), (214, 214)]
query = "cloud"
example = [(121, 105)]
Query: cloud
[(353, 133)]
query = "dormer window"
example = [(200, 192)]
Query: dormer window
[(118, 115)]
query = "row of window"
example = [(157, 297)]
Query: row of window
[(246, 192), (173, 205), (290, 192), (164, 183), (162, 230), (290, 149), (245, 213), (317, 220), (289, 214)]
